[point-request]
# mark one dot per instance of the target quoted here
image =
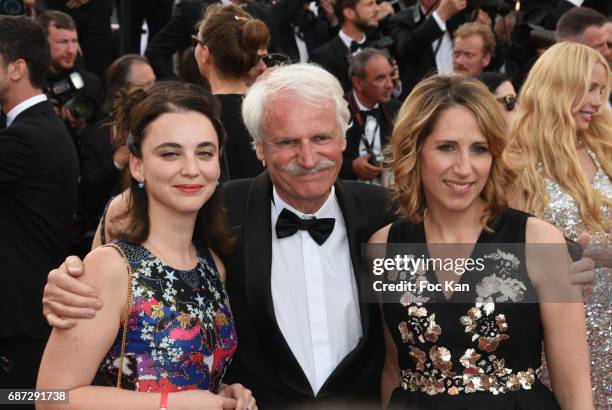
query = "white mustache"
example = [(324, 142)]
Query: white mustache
[(295, 169)]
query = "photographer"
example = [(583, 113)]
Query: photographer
[(75, 92), (38, 193), (372, 111), (422, 36)]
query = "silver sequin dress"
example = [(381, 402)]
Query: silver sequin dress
[(562, 211)]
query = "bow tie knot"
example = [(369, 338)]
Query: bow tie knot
[(289, 223), (355, 46), (374, 112)]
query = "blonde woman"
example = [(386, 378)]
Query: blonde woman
[(563, 129), (448, 157)]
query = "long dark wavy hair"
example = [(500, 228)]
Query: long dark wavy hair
[(133, 113)]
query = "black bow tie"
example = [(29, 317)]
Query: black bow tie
[(2, 120), (288, 224), (356, 46), (374, 112)]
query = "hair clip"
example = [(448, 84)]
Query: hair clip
[(238, 18)]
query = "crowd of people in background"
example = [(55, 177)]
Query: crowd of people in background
[(232, 156)]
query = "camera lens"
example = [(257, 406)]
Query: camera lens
[(11, 7), (81, 107)]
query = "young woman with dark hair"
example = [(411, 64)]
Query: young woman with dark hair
[(165, 325)]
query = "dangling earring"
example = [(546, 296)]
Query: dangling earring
[(141, 185)]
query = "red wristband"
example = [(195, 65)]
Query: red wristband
[(163, 401)]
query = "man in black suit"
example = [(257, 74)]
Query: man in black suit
[(422, 39), (372, 111), (38, 189), (356, 18)]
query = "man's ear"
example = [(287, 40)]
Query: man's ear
[(259, 151), (349, 14), (486, 60), (18, 69), (356, 82)]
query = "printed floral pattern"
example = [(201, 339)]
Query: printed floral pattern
[(181, 333)]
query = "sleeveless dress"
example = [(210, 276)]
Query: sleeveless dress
[(479, 355), (180, 330), (563, 212)]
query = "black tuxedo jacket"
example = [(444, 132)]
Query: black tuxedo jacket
[(39, 174), (333, 56), (315, 30), (355, 131), (264, 362), (413, 34)]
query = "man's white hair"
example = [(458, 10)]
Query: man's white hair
[(307, 82)]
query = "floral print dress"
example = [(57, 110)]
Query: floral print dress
[(180, 330), (477, 350)]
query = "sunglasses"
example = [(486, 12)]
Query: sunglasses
[(197, 41), (509, 101)]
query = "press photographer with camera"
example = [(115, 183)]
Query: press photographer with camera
[(372, 111), (74, 92)]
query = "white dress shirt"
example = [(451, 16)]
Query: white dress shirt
[(444, 51), (314, 293), (301, 45), (372, 135), (22, 106)]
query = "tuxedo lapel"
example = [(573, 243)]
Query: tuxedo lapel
[(258, 273), (258, 251)]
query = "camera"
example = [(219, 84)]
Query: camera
[(66, 93), (12, 7)]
